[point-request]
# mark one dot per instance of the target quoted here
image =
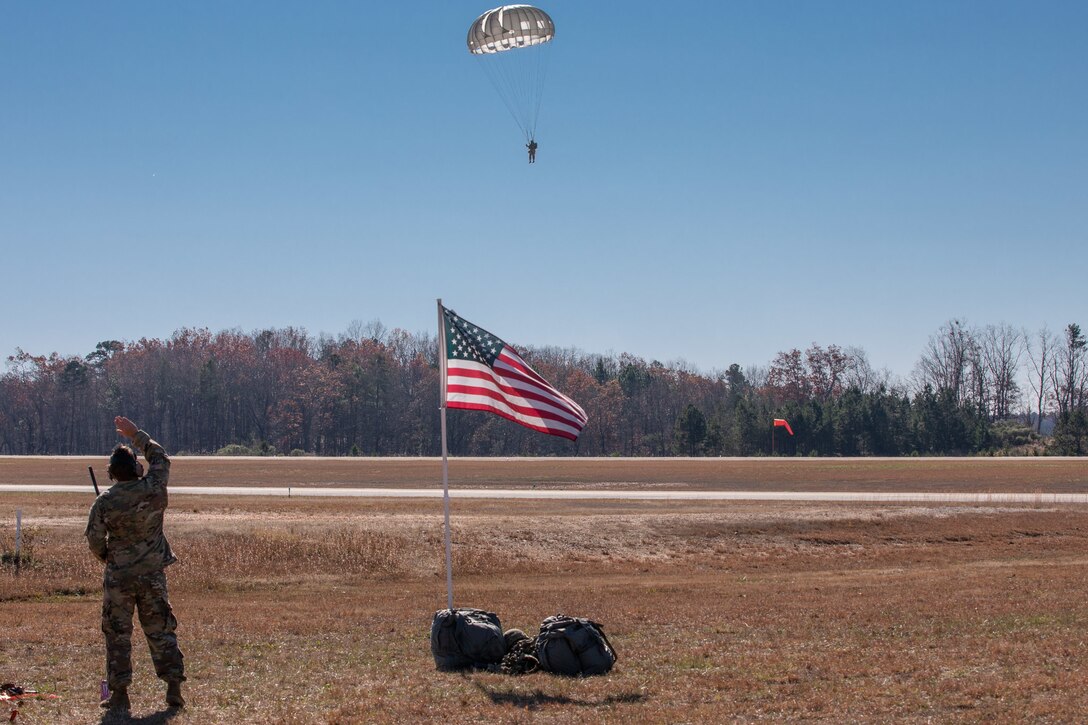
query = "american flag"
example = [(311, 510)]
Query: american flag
[(484, 373)]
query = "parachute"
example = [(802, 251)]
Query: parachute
[(513, 44)]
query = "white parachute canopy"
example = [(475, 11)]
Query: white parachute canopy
[(513, 44)]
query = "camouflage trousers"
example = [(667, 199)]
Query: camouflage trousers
[(146, 594)]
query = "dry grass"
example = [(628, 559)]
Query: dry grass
[(304, 611), (1052, 475)]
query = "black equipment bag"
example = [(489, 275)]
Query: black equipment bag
[(574, 647), (464, 638)]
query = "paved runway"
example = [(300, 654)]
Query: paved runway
[(561, 494)]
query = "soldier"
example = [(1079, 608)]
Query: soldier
[(532, 150), (124, 531)]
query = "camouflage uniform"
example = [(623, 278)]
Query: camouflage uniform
[(124, 531)]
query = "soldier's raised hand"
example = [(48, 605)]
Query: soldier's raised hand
[(125, 427)]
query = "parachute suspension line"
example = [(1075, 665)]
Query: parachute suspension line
[(536, 59), (503, 87), (529, 78), (540, 74), (531, 85), (529, 88)]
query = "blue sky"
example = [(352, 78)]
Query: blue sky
[(716, 181)]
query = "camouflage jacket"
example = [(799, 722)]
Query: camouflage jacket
[(124, 529)]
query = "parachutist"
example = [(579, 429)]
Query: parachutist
[(532, 150)]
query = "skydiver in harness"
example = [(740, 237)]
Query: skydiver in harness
[(532, 150)]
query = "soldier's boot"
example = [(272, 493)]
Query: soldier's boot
[(173, 694), (118, 700)]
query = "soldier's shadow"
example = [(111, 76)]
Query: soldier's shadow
[(155, 718)]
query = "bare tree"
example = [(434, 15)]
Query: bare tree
[(979, 384), (359, 331), (1002, 347), (1041, 370), (945, 363), (756, 375), (860, 373)]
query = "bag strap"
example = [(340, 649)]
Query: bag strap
[(600, 630)]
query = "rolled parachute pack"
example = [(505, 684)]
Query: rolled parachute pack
[(574, 647)]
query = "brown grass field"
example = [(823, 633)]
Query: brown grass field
[(318, 610)]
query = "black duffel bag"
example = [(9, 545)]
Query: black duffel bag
[(465, 638)]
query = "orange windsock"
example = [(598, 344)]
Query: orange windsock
[(781, 423)]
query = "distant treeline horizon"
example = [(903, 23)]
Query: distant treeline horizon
[(373, 391)]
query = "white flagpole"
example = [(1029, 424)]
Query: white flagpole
[(445, 452)]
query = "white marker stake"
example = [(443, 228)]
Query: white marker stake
[(18, 539)]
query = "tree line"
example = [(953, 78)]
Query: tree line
[(374, 391)]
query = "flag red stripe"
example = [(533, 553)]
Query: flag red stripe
[(496, 411), (527, 411), (512, 356), (480, 402), (479, 382), (517, 385), (522, 371), (503, 382)]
